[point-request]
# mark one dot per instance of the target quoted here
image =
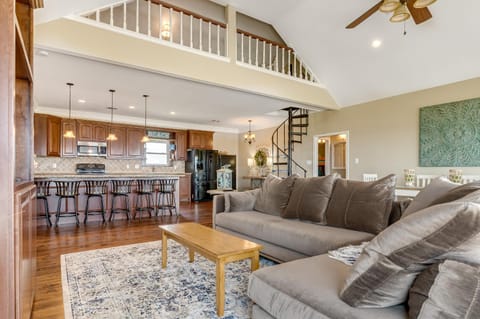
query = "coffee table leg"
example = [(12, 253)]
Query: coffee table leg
[(164, 250), (220, 288), (255, 261), (191, 255)]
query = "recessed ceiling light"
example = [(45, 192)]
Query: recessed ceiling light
[(81, 101), (376, 43), (131, 107), (172, 113)]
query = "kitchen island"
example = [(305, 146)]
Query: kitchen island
[(81, 200)]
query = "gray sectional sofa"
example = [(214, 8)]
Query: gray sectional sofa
[(299, 220)]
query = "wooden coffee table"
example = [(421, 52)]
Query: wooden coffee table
[(219, 247)]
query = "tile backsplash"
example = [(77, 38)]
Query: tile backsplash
[(45, 165)]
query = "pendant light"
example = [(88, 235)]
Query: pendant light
[(249, 137), (111, 136), (422, 3), (69, 133), (401, 14), (145, 138)]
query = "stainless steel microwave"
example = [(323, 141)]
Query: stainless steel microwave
[(91, 148)]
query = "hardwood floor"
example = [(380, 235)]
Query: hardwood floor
[(53, 242)]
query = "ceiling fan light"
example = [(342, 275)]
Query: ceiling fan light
[(400, 15), (390, 5), (419, 4)]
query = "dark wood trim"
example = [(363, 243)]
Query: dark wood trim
[(187, 12), (254, 36)]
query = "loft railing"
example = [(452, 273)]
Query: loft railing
[(165, 23), (171, 25), (270, 55)]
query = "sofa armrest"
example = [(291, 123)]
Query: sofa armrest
[(218, 207)]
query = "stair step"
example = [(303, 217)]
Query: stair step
[(300, 116), (279, 163), (299, 125), (295, 141), (298, 133)]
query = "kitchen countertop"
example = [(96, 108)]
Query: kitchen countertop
[(107, 175)]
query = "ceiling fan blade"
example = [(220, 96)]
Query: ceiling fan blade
[(364, 16), (418, 15)]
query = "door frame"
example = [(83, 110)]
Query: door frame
[(328, 154)]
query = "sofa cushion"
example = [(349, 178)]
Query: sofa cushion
[(240, 201), (457, 192), (309, 198), (437, 188), (274, 194), (450, 289), (383, 274), (362, 206), (308, 288), (304, 237)]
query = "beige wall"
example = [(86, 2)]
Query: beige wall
[(225, 143), (384, 134)]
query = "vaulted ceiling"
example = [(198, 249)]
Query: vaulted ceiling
[(442, 50)]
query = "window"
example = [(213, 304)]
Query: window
[(157, 152)]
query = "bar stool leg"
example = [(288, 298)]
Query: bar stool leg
[(112, 217), (76, 210), (127, 207), (102, 208), (47, 212), (59, 207), (86, 210)]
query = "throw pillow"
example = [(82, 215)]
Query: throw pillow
[(309, 198), (383, 274), (362, 206), (240, 201), (450, 289), (457, 192), (437, 188), (274, 194)]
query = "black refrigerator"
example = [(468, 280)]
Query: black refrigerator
[(203, 165)]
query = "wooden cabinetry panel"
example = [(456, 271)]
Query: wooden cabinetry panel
[(40, 135), (69, 145), (91, 131), (185, 185), (100, 133), (200, 140), (117, 149), (134, 142), (181, 145), (54, 127), (47, 130)]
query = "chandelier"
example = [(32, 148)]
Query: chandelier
[(249, 137)]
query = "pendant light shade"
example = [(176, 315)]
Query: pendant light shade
[(400, 14), (111, 136), (69, 133), (249, 137), (422, 3), (145, 138), (390, 5)]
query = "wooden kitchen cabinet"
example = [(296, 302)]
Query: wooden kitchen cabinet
[(185, 185), (181, 145), (47, 129), (91, 131), (200, 140), (134, 142), (118, 148), (69, 145)]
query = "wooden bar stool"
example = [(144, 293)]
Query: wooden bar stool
[(95, 189), (43, 191), (120, 189), (166, 196), (67, 190), (145, 189)]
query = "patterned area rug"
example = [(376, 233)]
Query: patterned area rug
[(129, 282)]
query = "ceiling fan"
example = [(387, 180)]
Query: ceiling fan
[(402, 10)]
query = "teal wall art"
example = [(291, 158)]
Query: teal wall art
[(450, 134)]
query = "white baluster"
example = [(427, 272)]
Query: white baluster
[(241, 46), (170, 13), (256, 53), (249, 49), (200, 32), (283, 60), (149, 3), (276, 58), (111, 15), (301, 67), (97, 16), (209, 37), (289, 70), (218, 39), (136, 18), (191, 31), (263, 60), (270, 58), (181, 27), (125, 15), (295, 64)]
